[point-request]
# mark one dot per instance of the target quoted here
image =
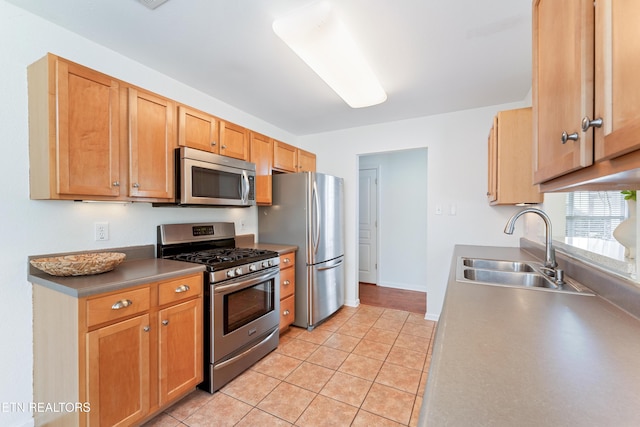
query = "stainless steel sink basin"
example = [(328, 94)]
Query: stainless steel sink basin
[(515, 274)]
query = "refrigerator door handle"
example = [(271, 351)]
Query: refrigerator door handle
[(331, 266), (316, 207)]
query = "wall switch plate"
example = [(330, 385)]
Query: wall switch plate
[(101, 231)]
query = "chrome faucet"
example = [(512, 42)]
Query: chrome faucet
[(550, 253)]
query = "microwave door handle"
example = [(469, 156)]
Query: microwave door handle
[(245, 188)]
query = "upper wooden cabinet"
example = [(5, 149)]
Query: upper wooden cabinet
[(74, 135), (234, 140), (287, 158), (262, 156), (92, 137), (197, 129), (151, 145), (585, 58), (510, 166)]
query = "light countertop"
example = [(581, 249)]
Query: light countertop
[(513, 356)]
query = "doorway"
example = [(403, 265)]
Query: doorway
[(368, 226)]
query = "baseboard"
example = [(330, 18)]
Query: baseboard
[(402, 286), (352, 303), (433, 317)]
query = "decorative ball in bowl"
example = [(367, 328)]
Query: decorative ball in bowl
[(79, 264)]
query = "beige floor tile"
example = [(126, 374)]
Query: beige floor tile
[(317, 336), (398, 315), (163, 420), (310, 376), (364, 319), (287, 401), (404, 379), (190, 404), (381, 335), (256, 418), (389, 324), (361, 366), (415, 413), (423, 383), (347, 389), (277, 365), (297, 348), (407, 358), (389, 402), (328, 357), (250, 387), (418, 329), (418, 318), (354, 329), (342, 342), (332, 324), (427, 363), (371, 309), (326, 412), (372, 349), (367, 419), (222, 410), (412, 342)]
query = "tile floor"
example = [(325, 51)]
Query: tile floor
[(364, 366)]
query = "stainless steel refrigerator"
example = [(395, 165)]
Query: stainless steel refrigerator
[(307, 211)]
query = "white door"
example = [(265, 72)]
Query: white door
[(368, 234)]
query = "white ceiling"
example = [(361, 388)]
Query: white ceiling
[(431, 56)]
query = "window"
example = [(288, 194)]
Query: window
[(594, 214)]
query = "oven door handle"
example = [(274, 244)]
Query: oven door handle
[(244, 353), (245, 283)]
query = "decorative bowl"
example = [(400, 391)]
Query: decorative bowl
[(79, 264)]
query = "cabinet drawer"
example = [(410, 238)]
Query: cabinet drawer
[(287, 311), (117, 306), (180, 289), (287, 282), (287, 260)]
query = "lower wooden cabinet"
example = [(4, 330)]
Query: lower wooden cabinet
[(123, 355), (287, 289)]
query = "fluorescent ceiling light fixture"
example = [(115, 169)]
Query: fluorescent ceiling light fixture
[(317, 36)]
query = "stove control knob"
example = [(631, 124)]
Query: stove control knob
[(265, 264), (230, 273), (238, 271), (253, 267), (270, 262)]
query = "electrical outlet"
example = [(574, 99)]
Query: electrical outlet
[(101, 231)]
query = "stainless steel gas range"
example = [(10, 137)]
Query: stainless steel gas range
[(241, 296)]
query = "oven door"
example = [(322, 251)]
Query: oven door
[(204, 183), (243, 310)]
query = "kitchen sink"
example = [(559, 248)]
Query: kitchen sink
[(515, 274)]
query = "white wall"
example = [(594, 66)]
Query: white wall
[(402, 218), (457, 175), (30, 227)]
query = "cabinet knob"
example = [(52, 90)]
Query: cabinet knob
[(224, 146), (165, 322), (213, 143), (569, 137), (146, 328), (587, 123), (116, 183), (286, 282), (286, 260), (136, 185), (285, 313), (123, 303), (182, 288)]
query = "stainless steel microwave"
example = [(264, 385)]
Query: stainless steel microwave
[(210, 179)]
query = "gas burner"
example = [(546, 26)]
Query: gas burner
[(220, 258)]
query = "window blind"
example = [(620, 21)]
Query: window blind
[(594, 214)]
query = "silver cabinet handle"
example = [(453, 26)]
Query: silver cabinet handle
[(587, 123), (286, 260), (116, 183), (146, 328), (286, 282), (165, 322), (182, 288), (569, 137), (136, 185), (285, 313), (123, 303)]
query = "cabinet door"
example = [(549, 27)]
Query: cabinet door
[(197, 130), (262, 156), (234, 141), (562, 85), (617, 83), (151, 145), (284, 156), (306, 161), (180, 349), (118, 372), (87, 131)]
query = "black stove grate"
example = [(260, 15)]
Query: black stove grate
[(221, 258)]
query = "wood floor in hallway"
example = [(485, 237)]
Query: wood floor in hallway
[(399, 299)]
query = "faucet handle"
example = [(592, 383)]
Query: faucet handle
[(559, 277)]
